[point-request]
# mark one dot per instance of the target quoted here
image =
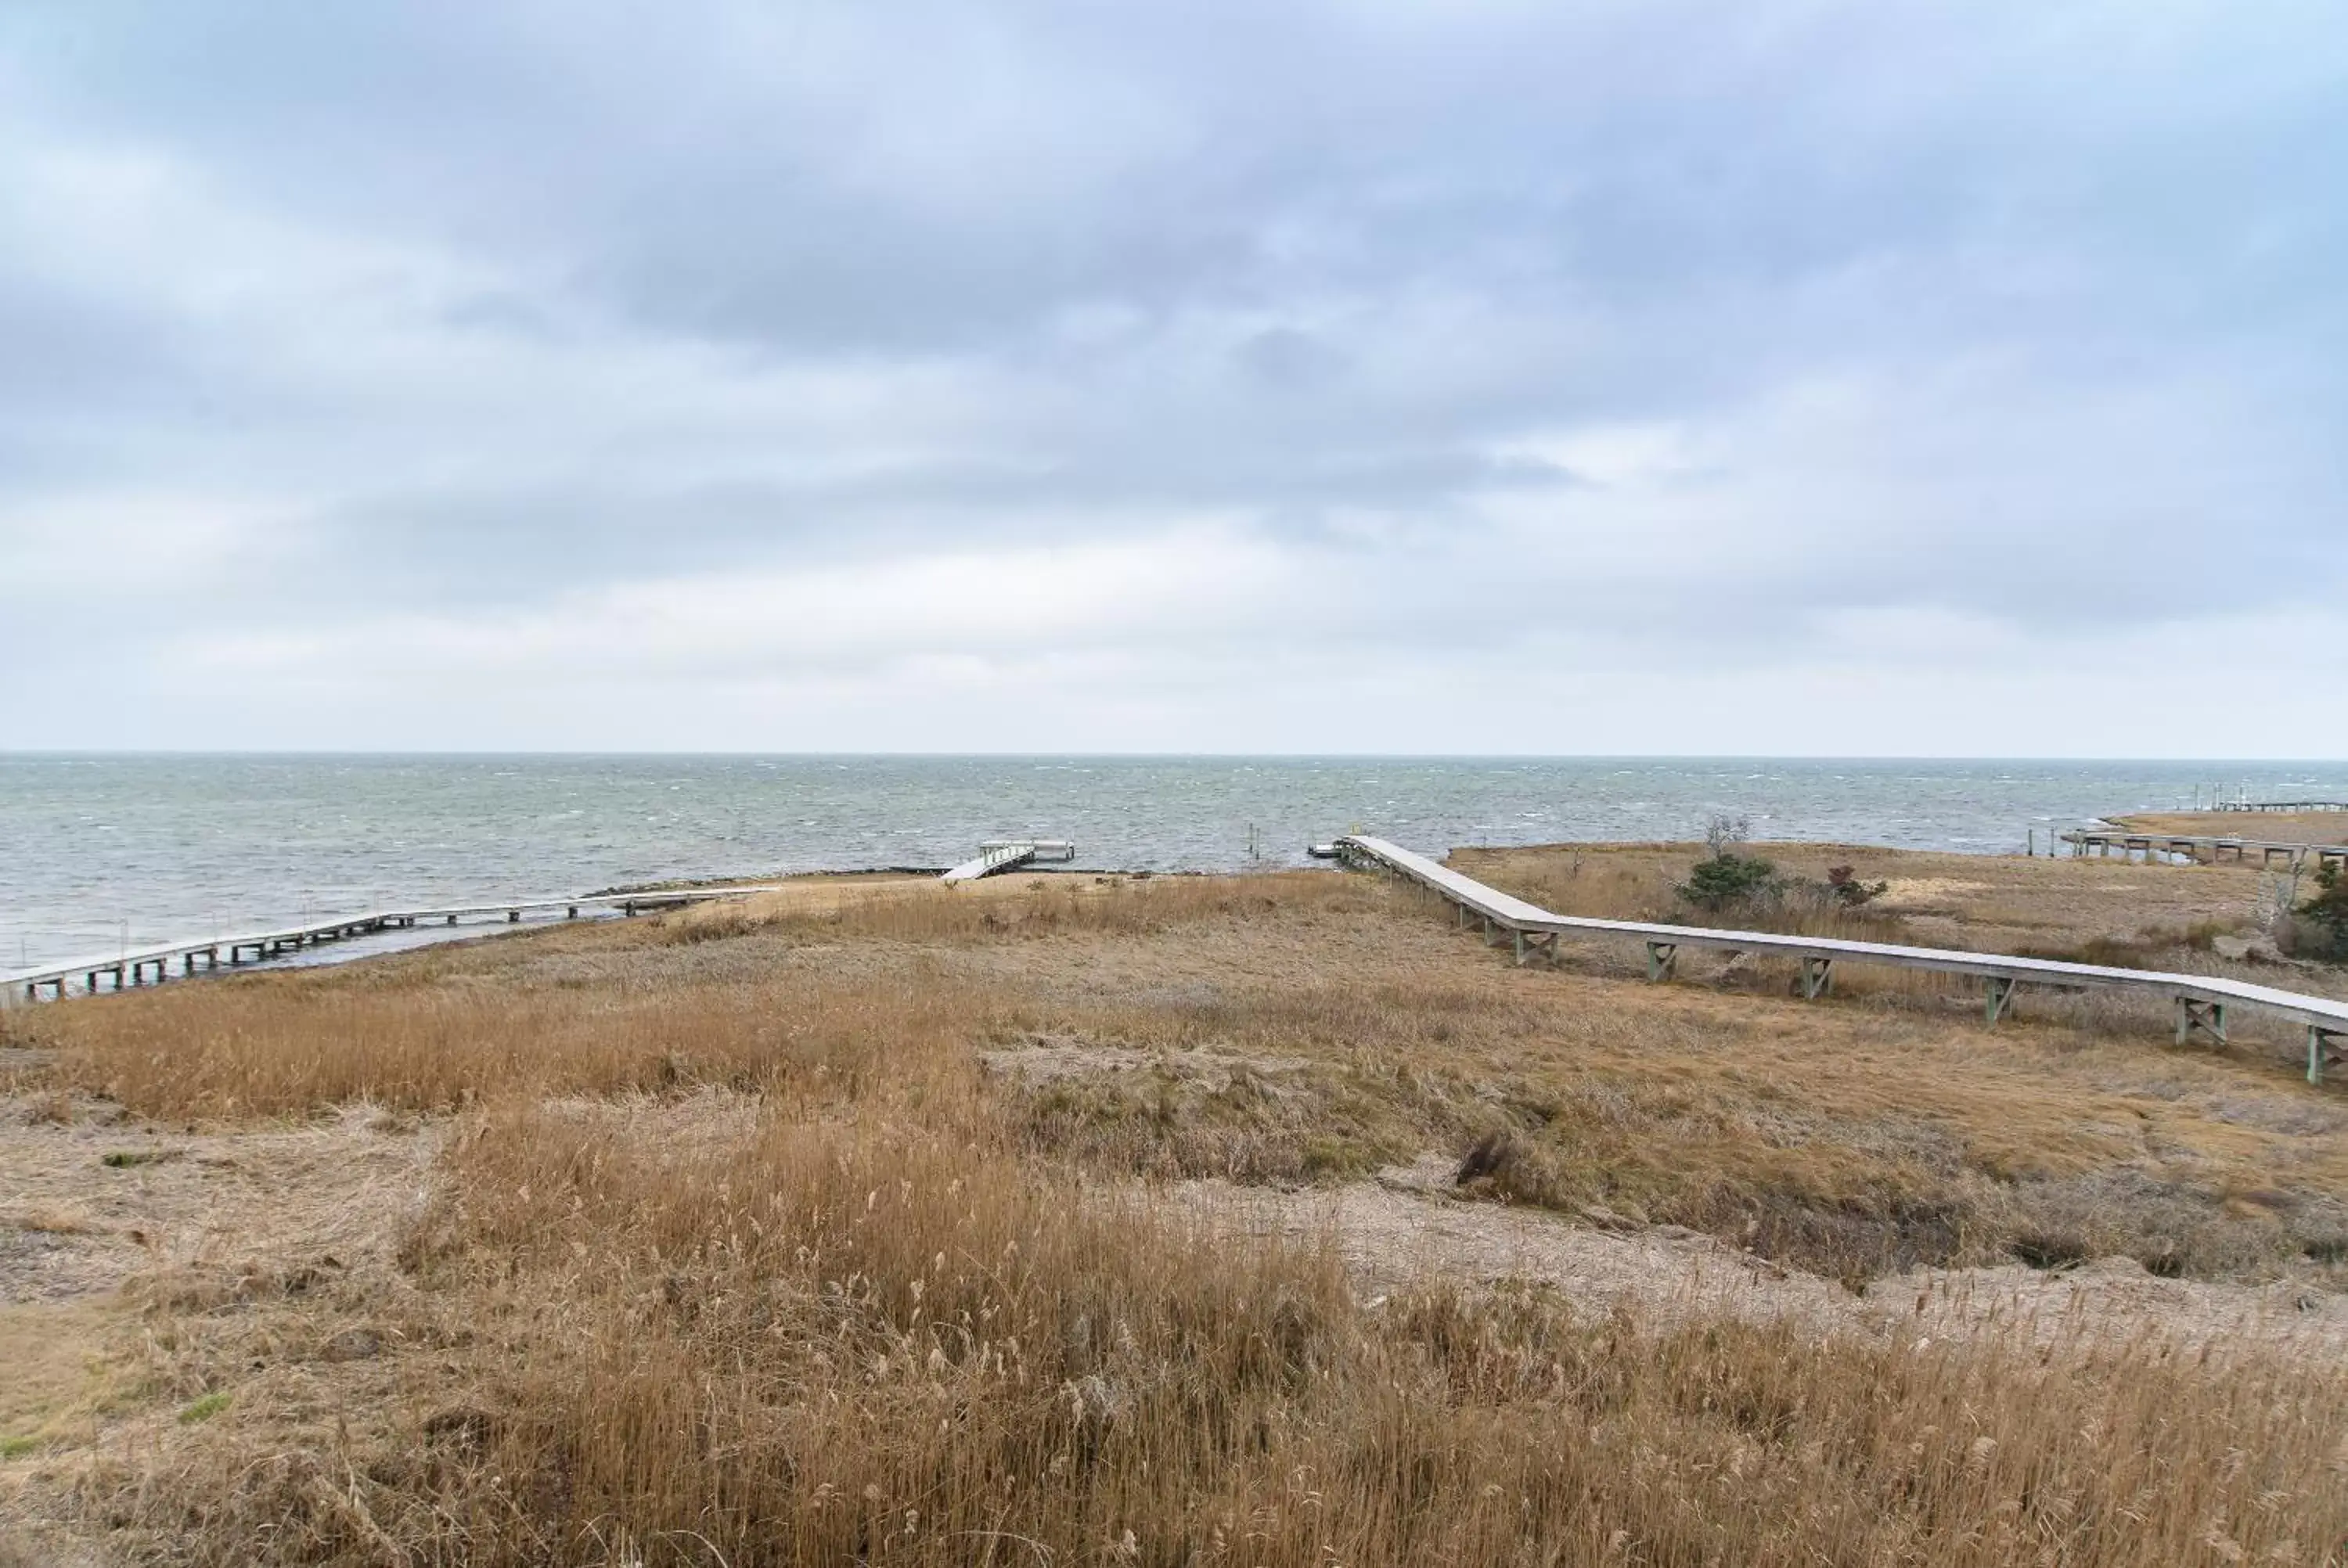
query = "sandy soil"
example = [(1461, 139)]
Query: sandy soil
[(1405, 1228), (105, 1224)]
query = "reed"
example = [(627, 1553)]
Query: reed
[(811, 1234), (889, 1340)]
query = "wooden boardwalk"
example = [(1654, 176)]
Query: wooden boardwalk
[(2210, 847), (2200, 1001), (153, 964)]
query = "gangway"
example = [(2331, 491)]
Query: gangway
[(1003, 853)]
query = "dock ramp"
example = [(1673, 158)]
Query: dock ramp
[(1003, 853)]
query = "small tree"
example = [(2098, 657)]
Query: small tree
[(1723, 876), (1727, 878)]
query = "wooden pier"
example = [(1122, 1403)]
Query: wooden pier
[(1003, 853), (2199, 1002), (153, 964), (2209, 846), (2287, 806)]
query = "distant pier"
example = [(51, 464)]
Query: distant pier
[(152, 965), (2210, 847)]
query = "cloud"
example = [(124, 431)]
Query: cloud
[(429, 375)]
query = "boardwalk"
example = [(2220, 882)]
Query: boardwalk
[(2209, 846), (153, 964), (2200, 1001)]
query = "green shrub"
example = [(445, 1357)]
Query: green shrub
[(2328, 910), (1725, 879)]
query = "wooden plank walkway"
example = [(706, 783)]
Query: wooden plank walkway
[(2200, 1001), (153, 964), (2211, 846)]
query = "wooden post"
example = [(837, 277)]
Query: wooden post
[(1818, 974), (1999, 994)]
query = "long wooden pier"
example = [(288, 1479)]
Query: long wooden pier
[(2291, 807), (2200, 1001), (2210, 847), (153, 964)]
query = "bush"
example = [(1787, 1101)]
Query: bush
[(2328, 910), (1850, 891), (1725, 879)]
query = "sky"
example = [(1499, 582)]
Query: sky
[(1483, 376)]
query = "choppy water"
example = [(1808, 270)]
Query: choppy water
[(105, 849)]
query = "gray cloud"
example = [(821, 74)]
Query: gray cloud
[(1828, 340)]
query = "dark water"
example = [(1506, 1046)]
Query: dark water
[(101, 850)]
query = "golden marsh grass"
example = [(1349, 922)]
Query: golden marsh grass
[(836, 1228)]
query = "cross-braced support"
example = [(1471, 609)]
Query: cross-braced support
[(2322, 1049), (1538, 944), (2198, 1016), (1997, 996), (1663, 959), (1818, 978)]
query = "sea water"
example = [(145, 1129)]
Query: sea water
[(97, 851)]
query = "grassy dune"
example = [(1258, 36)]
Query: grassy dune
[(896, 1224)]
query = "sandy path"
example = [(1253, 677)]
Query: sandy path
[(1402, 1229)]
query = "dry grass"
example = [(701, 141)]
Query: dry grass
[(807, 1231), (888, 1339), (443, 1028)]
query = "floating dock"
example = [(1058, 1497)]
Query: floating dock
[(2199, 1001)]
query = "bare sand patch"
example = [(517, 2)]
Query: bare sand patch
[(1404, 1230)]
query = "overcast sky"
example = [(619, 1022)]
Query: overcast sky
[(1473, 375)]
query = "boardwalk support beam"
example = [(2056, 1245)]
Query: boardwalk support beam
[(1663, 960), (2320, 1053), (1817, 977), (1998, 996), (2200, 1018), (1539, 945)]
